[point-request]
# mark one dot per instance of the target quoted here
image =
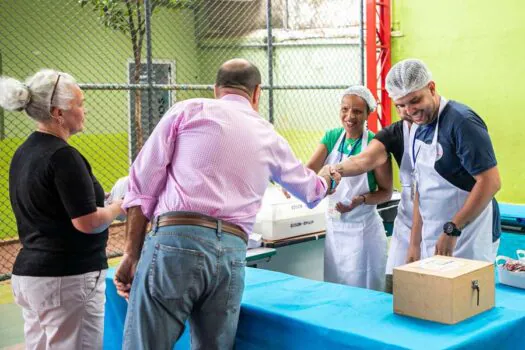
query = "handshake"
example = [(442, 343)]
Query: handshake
[(332, 177)]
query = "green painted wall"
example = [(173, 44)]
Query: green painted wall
[(475, 51), (301, 116), (60, 34)]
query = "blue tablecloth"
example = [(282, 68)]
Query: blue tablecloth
[(284, 312), (115, 316), (280, 311), (509, 243)]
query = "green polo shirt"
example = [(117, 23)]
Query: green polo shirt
[(330, 139)]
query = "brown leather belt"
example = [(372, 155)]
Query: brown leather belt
[(195, 219)]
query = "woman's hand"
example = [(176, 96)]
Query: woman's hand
[(356, 201)]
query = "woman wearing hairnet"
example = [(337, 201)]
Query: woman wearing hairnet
[(355, 246)]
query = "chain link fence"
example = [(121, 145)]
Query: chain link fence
[(135, 58)]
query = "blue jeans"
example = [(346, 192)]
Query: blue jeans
[(186, 272)]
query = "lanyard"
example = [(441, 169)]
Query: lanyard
[(442, 105), (352, 147), (415, 154)]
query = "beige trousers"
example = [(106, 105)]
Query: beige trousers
[(62, 312)]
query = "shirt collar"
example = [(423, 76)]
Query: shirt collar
[(442, 103), (236, 98)]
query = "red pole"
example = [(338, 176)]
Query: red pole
[(386, 62), (378, 59)]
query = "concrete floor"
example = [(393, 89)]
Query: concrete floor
[(11, 321), (11, 327)]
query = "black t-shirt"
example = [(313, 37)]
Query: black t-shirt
[(392, 138), (51, 183), (464, 143)]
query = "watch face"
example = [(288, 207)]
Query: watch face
[(448, 228)]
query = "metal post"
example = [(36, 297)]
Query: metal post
[(371, 59), (2, 131), (286, 15), (147, 5), (270, 59)]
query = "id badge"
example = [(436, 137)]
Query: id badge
[(413, 189), (413, 186)]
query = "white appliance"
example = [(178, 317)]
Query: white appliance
[(280, 217)]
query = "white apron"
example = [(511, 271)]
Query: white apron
[(355, 244), (439, 201), (400, 240)]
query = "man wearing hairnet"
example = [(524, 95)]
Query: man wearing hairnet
[(455, 174), (455, 170)]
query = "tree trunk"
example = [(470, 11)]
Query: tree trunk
[(136, 42)]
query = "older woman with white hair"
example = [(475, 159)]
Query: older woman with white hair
[(59, 274), (355, 246)]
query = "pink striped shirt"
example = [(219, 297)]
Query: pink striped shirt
[(216, 157)]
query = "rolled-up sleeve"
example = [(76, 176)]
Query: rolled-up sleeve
[(473, 145), (148, 174), (296, 178)]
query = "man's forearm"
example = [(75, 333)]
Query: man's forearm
[(477, 200), (372, 157), (135, 231), (351, 167)]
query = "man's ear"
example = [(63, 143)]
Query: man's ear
[(215, 91), (432, 87)]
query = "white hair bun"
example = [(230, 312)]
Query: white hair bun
[(14, 95)]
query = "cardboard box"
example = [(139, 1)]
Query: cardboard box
[(280, 217), (443, 289)]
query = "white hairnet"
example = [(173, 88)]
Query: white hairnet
[(364, 93), (407, 76)]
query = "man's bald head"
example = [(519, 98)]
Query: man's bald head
[(238, 74)]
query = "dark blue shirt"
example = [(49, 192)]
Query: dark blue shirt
[(466, 149)]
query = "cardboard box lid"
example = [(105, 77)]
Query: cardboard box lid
[(444, 266)]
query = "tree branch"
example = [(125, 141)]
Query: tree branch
[(140, 24), (132, 31)]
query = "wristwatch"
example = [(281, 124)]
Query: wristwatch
[(451, 229)]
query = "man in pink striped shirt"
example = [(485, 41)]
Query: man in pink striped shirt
[(200, 179)]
